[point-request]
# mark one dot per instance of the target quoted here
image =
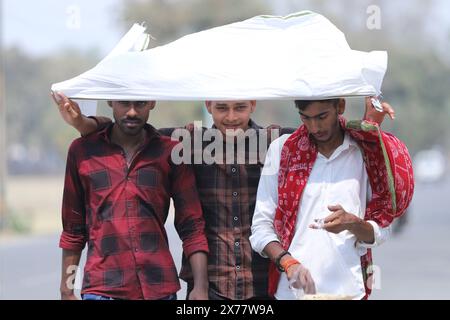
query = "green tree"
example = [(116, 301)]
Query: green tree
[(32, 119), (417, 79), (170, 19)]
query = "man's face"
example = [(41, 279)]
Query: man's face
[(231, 115), (321, 119), (131, 116)]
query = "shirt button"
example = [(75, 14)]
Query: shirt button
[(233, 170), (136, 250), (235, 194), (235, 218), (236, 244), (238, 267)]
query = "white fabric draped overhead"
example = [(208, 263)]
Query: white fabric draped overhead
[(300, 56)]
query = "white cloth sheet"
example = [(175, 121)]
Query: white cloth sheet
[(300, 56)]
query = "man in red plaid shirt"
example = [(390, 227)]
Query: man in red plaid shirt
[(118, 186)]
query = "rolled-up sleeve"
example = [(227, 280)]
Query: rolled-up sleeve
[(380, 235), (73, 236), (263, 231)]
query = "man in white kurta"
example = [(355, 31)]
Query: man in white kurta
[(337, 178)]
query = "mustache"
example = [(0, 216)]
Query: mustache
[(131, 119)]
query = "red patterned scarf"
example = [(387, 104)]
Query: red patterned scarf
[(390, 173)]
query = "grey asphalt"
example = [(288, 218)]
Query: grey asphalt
[(414, 264), (30, 267)]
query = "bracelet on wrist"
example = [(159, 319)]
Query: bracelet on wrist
[(278, 260), (288, 263)]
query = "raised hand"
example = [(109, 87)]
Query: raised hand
[(374, 115), (69, 110)]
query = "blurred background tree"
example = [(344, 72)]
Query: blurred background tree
[(170, 19), (417, 82), (37, 138), (418, 78), (415, 33)]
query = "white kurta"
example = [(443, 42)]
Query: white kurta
[(332, 259)]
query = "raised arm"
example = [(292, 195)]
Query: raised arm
[(71, 113), (372, 114)]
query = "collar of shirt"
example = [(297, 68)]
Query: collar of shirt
[(347, 144)]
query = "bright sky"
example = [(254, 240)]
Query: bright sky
[(44, 26), (41, 27)]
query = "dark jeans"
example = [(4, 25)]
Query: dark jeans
[(90, 296)]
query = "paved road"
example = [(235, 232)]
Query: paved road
[(413, 265), (30, 267), (416, 263)]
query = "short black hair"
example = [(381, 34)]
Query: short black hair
[(302, 104)]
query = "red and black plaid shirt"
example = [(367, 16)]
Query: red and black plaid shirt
[(120, 212)]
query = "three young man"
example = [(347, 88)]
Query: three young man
[(227, 193)]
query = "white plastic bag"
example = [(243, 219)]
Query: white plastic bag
[(300, 56)]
